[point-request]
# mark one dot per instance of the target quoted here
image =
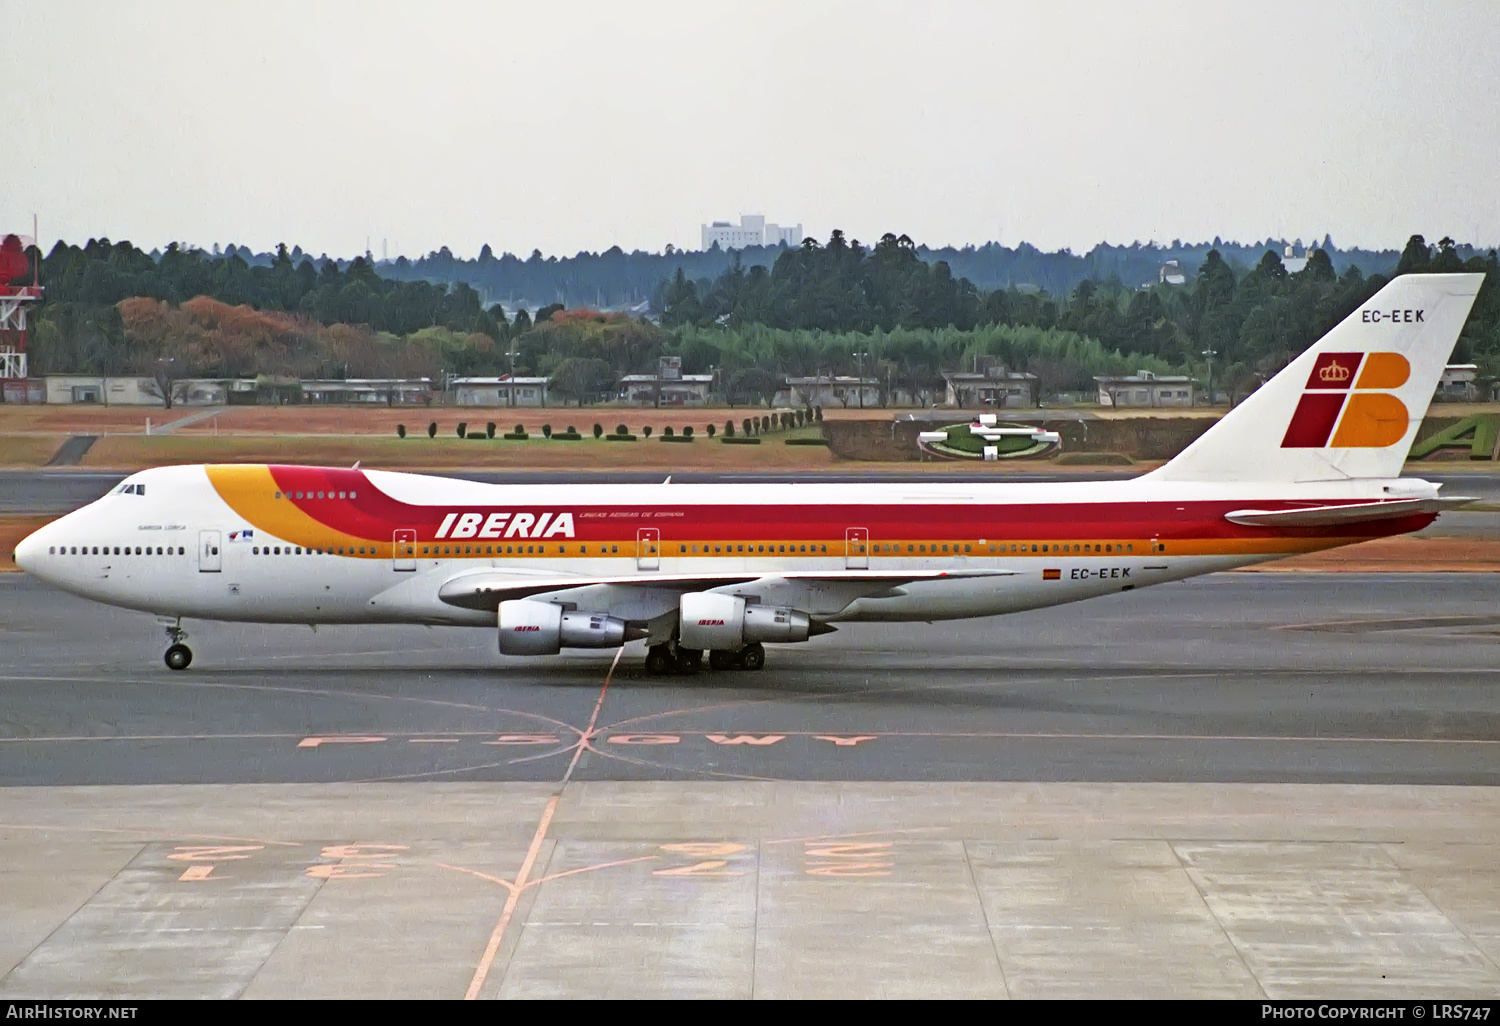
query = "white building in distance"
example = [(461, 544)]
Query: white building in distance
[(751, 231)]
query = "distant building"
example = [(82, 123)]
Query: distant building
[(673, 389), (836, 390), (1459, 383), (751, 231), (1145, 390), (1171, 273), (369, 391), (993, 387), (502, 391), (1294, 263), (65, 389)]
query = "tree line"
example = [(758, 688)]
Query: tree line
[(834, 308)]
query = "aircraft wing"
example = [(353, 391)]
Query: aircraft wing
[(487, 588), (1350, 513)]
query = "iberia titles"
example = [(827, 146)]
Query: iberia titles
[(506, 525)]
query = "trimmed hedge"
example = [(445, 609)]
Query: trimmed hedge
[(739, 440), (514, 436), (567, 436), (806, 441), (620, 438), (677, 438)]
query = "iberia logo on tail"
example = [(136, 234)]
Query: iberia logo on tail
[(1349, 390)]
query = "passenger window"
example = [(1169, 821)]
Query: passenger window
[(278, 495), (351, 495), (341, 495), (614, 548), (255, 551)]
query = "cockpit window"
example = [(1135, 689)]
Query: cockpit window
[(131, 489)]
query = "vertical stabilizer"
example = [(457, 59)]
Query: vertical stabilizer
[(1350, 406)]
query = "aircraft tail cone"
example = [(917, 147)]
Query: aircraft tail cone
[(634, 633), (816, 628)]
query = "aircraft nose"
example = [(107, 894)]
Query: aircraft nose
[(28, 549)]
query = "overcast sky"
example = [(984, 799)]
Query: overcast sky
[(568, 126)]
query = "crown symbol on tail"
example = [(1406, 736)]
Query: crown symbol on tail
[(1334, 372)]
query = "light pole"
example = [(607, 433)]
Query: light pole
[(512, 389), (861, 386), (1210, 354)]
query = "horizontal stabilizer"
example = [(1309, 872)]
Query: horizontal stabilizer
[(1348, 513), (486, 589)]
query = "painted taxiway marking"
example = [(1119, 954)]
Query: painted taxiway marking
[(482, 970), (492, 949), (199, 872), (348, 739)]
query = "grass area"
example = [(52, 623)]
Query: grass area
[(28, 451), (12, 530)]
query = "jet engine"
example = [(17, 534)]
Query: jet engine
[(714, 621), (529, 628)]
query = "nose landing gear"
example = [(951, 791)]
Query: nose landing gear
[(178, 656)]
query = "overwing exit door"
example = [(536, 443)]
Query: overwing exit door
[(857, 548), (209, 559), (404, 550), (648, 548)]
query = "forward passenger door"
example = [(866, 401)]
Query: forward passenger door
[(209, 559)]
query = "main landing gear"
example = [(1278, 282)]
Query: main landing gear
[(179, 656), (670, 658)]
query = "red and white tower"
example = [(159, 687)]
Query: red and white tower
[(15, 300)]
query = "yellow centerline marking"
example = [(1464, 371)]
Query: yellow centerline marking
[(493, 947), (513, 898)]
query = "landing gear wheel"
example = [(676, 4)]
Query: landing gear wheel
[(723, 659), (179, 657), (658, 660), (753, 656), (689, 660)]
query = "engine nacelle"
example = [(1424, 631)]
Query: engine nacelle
[(529, 628), (727, 622)]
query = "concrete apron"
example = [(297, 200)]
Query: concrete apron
[(610, 889)]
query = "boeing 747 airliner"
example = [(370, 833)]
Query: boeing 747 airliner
[(1310, 461)]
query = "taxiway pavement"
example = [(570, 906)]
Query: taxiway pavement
[(1240, 786), (1343, 678)]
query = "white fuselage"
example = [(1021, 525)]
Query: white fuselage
[(186, 546)]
